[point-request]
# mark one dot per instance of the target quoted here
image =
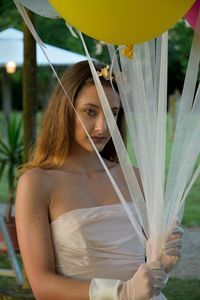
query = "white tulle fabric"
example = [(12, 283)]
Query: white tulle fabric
[(96, 242)]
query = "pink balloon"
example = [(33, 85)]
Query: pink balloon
[(192, 14)]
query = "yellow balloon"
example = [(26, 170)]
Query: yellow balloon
[(122, 22)]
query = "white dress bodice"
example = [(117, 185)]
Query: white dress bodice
[(96, 242)]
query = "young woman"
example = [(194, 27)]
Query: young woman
[(76, 240)]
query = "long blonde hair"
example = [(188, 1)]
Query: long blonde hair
[(57, 127)]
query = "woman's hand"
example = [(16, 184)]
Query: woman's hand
[(172, 248), (148, 281)]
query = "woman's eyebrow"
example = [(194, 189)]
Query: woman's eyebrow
[(91, 104), (97, 106)]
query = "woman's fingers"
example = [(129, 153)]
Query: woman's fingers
[(159, 277), (173, 244), (176, 232)]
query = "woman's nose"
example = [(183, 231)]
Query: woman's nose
[(101, 124)]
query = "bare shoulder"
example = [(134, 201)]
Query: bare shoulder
[(34, 184), (36, 176)]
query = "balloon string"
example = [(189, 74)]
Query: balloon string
[(72, 31)]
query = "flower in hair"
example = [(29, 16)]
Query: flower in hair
[(128, 51), (105, 72)]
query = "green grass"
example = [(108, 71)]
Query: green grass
[(182, 289)]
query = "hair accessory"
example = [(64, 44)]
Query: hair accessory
[(105, 72), (128, 51)]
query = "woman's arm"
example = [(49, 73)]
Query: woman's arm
[(33, 196)]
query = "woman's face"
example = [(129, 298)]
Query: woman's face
[(91, 113)]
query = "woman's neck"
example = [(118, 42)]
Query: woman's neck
[(83, 162)]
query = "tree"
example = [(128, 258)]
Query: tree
[(29, 88), (180, 39)]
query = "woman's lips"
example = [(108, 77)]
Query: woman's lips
[(98, 140)]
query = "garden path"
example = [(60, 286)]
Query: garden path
[(189, 265)]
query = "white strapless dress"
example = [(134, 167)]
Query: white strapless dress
[(97, 242)]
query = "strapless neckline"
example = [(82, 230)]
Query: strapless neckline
[(96, 242), (85, 209)]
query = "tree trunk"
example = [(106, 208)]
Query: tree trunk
[(29, 88), (6, 98), (29, 97)]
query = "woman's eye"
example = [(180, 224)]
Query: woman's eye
[(90, 112), (115, 113)]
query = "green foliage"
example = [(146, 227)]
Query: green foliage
[(182, 289), (192, 207), (9, 16), (180, 39), (11, 154), (64, 39)]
